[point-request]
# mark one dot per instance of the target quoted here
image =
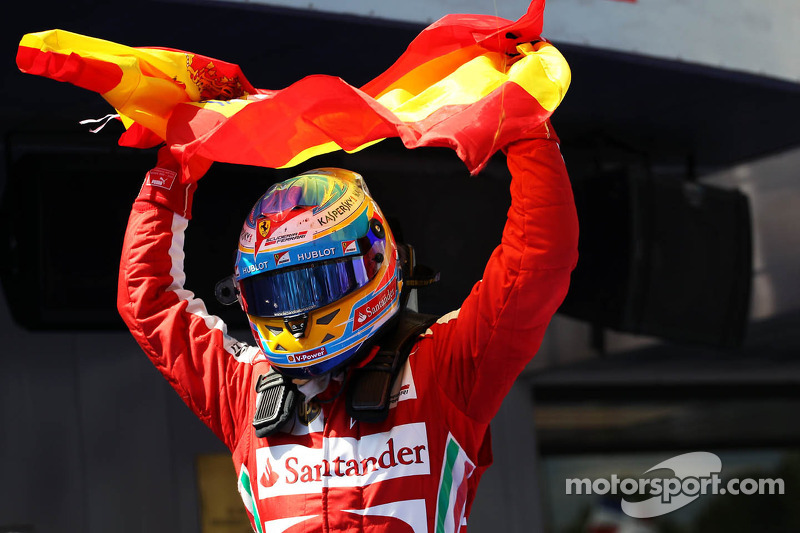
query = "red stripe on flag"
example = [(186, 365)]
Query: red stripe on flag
[(457, 32), (137, 136), (93, 74), (320, 109), (290, 125)]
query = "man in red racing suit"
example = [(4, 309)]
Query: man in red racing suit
[(419, 469)]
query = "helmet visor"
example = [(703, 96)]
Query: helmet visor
[(306, 287)]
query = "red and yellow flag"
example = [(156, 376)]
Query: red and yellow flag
[(470, 82)]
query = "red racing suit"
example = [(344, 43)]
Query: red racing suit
[(417, 471)]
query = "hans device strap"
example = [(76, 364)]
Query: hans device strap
[(370, 386), (275, 399)]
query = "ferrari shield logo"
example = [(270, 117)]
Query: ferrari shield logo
[(263, 227)]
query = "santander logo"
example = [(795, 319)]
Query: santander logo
[(375, 306), (349, 462), (268, 477)]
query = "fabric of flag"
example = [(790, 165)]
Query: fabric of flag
[(469, 82)]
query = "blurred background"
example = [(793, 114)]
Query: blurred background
[(679, 334)]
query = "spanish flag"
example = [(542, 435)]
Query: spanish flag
[(470, 82)]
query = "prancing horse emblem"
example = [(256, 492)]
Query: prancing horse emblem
[(263, 227)]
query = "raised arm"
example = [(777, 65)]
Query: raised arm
[(188, 346), (485, 345)]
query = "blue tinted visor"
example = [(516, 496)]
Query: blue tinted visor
[(307, 287)]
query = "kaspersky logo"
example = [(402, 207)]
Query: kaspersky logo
[(293, 469)]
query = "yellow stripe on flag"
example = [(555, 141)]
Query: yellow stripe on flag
[(452, 87), (320, 149), (153, 80), (226, 108), (466, 85), (543, 73)]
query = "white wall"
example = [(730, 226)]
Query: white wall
[(746, 35), (771, 184)]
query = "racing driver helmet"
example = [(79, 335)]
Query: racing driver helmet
[(317, 271)]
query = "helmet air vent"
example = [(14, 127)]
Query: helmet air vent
[(274, 330), (325, 320)]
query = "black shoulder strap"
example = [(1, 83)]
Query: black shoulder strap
[(370, 386), (276, 396)]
